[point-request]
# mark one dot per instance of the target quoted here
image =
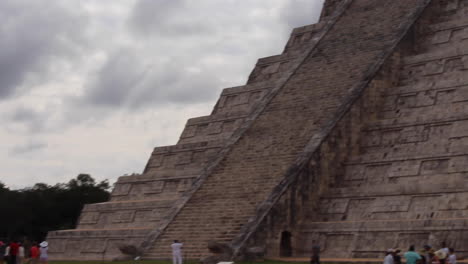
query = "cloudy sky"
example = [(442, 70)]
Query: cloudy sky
[(92, 86)]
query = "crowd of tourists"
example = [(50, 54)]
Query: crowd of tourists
[(427, 255), (17, 252)]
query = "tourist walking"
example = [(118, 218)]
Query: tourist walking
[(397, 256), (12, 252), (411, 256), (425, 254), (43, 256), (176, 252), (389, 256), (20, 256), (433, 258), (452, 258), (445, 250), (2, 251), (34, 254)]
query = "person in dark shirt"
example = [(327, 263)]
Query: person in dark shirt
[(13, 252), (315, 258), (2, 251), (397, 256)]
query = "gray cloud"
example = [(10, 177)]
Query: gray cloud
[(27, 118), (83, 80), (115, 81), (28, 148), (22, 114), (166, 17), (126, 80), (33, 33), (298, 13)]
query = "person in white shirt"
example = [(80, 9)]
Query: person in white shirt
[(176, 252), (20, 257), (445, 250), (7, 252), (43, 255), (389, 257), (452, 258)]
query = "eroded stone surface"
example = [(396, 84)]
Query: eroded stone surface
[(354, 138)]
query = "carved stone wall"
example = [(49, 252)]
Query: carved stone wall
[(140, 202), (329, 6), (234, 197), (356, 131), (403, 183)]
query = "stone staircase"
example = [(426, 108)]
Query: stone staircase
[(407, 184), (231, 194), (140, 201), (404, 180)]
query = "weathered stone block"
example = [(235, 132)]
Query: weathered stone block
[(391, 204), (442, 37), (404, 168), (342, 175), (437, 166)]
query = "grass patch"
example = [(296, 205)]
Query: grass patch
[(164, 262)]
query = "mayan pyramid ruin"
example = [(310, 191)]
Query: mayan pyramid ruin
[(354, 138)]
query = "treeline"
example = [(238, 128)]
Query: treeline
[(32, 212)]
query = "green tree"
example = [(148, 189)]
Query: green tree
[(34, 211)]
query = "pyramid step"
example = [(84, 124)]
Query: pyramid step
[(389, 225), (169, 185), (273, 68), (128, 214), (404, 171), (433, 68), (216, 127), (449, 80), (191, 156), (302, 36), (92, 244), (374, 206), (455, 23), (399, 233), (458, 49)]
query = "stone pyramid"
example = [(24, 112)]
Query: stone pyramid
[(354, 138)]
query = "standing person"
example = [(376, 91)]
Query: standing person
[(13, 252), (389, 256), (176, 252), (445, 248), (411, 256), (43, 256), (397, 257), (20, 256), (2, 251), (315, 258), (427, 259), (452, 258), (446, 252), (34, 253), (7, 253), (433, 258)]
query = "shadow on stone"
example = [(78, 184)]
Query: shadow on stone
[(221, 252), (130, 252)]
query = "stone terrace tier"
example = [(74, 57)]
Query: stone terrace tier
[(128, 214), (233, 191), (95, 244), (357, 239), (354, 138), (169, 172), (234, 105), (408, 182), (140, 201)]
